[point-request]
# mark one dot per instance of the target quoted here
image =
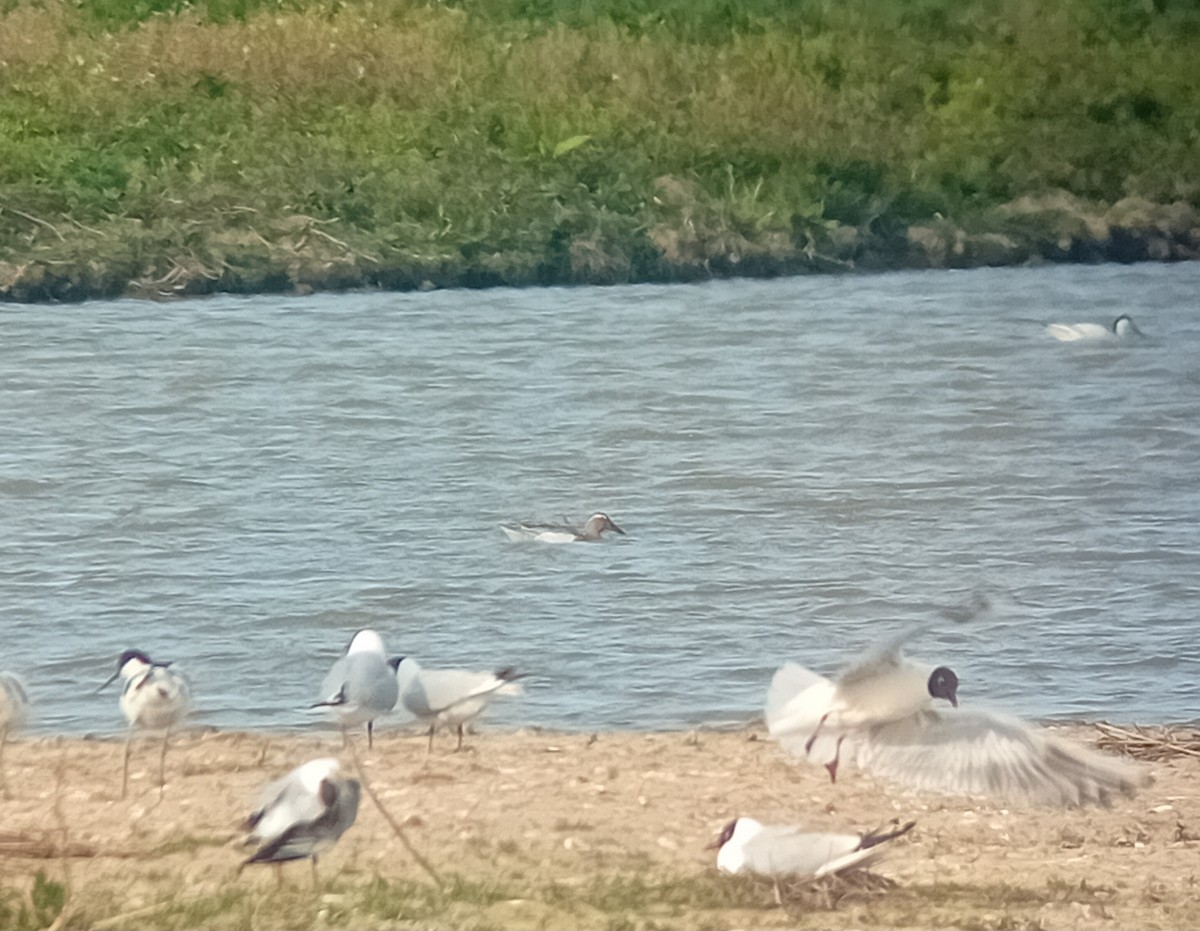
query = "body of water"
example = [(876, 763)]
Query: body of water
[(801, 466)]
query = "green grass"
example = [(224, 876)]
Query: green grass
[(646, 900), (248, 144)]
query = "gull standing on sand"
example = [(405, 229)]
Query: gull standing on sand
[(880, 714), (1122, 328), (302, 815), (360, 687), (780, 851), (592, 531), (14, 709), (155, 697), (449, 696)]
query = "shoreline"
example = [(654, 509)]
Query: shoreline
[(1031, 231), (530, 830), (328, 729)]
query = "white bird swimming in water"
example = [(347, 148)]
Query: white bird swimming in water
[(880, 714), (780, 851), (1122, 328), (592, 531), (360, 687), (155, 697), (303, 814), (449, 696), (14, 709)]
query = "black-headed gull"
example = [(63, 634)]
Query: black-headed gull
[(155, 697), (303, 814), (1122, 328), (782, 851), (14, 708), (880, 714), (449, 696), (592, 531), (880, 688), (360, 687)]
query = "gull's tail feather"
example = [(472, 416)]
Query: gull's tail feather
[(509, 677)]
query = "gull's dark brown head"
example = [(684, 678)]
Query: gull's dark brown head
[(943, 683), (724, 836)]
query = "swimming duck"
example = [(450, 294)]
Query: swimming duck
[(1122, 328), (592, 531)]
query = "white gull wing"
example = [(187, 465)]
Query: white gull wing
[(797, 700), (452, 695), (748, 846), (880, 686), (880, 660), (987, 754), (360, 687), (781, 850)]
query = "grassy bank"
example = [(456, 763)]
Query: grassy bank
[(152, 146)]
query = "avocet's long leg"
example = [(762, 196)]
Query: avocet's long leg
[(125, 764), (3, 773), (162, 763)]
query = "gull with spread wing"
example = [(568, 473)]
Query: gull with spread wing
[(880, 713)]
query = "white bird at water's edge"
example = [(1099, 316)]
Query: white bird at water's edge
[(303, 814), (778, 850), (155, 697), (14, 709), (880, 715), (360, 687), (1122, 328), (592, 531), (449, 696)]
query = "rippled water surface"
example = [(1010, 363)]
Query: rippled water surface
[(802, 465)]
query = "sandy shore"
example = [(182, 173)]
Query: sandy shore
[(532, 830)]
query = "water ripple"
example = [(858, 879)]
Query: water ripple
[(802, 465)]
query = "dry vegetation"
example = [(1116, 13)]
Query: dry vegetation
[(538, 830)]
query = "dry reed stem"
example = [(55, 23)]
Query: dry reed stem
[(1161, 743), (395, 825)]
